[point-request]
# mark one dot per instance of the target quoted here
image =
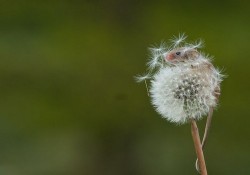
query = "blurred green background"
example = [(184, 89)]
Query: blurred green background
[(69, 103)]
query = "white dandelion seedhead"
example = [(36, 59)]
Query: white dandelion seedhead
[(180, 94), (184, 83)]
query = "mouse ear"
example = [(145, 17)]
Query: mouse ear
[(192, 54)]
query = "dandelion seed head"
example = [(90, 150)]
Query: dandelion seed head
[(185, 96), (184, 83)]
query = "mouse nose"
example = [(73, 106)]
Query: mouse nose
[(169, 57)]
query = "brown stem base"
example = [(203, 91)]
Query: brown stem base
[(198, 148)]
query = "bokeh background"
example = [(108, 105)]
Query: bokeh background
[(69, 103)]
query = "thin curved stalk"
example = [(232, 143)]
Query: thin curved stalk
[(198, 147), (206, 132)]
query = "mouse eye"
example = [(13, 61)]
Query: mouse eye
[(178, 53)]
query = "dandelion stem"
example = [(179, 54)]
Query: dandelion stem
[(198, 147), (207, 128)]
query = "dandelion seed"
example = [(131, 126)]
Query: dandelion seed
[(178, 40), (141, 78)]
